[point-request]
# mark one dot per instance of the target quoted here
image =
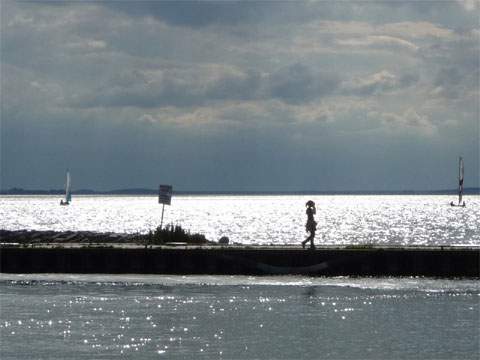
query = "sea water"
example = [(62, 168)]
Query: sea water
[(218, 317), (262, 219), (194, 317)]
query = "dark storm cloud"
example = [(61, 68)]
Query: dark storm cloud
[(195, 13), (443, 12), (455, 83), (295, 84), (449, 79), (174, 87), (236, 86), (299, 83), (456, 74)]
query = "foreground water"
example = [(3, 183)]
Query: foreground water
[(342, 219), (143, 317)]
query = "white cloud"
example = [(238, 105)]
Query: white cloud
[(410, 120), (147, 119), (379, 41), (87, 45), (184, 118), (378, 83), (469, 5), (419, 29), (339, 28)]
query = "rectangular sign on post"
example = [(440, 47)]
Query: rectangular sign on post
[(165, 194)]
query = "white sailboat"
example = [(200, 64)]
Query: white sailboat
[(68, 193), (460, 184)]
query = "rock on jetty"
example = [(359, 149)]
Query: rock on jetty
[(49, 237)]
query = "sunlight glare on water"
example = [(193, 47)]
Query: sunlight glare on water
[(191, 317), (342, 219)]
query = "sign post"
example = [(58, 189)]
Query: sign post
[(164, 197)]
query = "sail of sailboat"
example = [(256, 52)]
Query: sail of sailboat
[(68, 192), (460, 183), (460, 180)]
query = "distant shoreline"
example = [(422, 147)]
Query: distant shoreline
[(20, 191)]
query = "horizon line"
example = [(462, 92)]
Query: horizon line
[(149, 191)]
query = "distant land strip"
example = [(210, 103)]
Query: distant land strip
[(141, 191)]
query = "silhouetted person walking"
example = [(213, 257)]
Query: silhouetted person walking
[(311, 225)]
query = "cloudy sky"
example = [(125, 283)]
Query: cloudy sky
[(240, 95)]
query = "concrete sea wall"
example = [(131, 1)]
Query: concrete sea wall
[(241, 260)]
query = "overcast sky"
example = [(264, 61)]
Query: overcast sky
[(240, 95)]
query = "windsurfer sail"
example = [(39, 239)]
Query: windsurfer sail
[(68, 193), (460, 183)]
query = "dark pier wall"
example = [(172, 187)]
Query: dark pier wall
[(225, 261)]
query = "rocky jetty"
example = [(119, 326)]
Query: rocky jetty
[(49, 237)]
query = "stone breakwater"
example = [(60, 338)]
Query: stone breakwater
[(82, 237)]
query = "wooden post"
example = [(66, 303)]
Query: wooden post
[(161, 222)]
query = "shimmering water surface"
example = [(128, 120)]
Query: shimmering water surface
[(202, 317), (342, 219)]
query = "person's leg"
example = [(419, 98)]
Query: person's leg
[(306, 240), (312, 236)]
